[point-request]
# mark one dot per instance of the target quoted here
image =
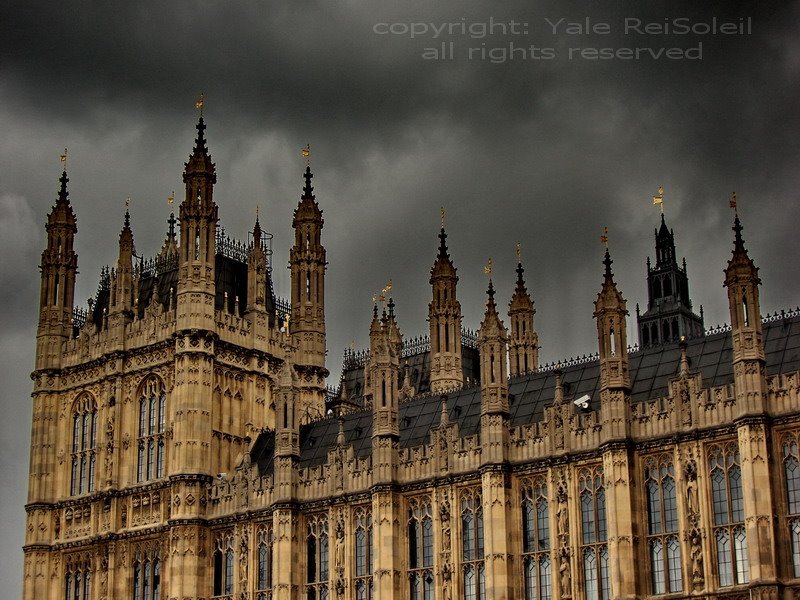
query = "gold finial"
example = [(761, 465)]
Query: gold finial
[(63, 158), (733, 202), (659, 199), (604, 237), (518, 248), (171, 198), (488, 268), (199, 104), (307, 154), (388, 288), (441, 215)]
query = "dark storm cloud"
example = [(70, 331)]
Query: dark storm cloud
[(545, 152)]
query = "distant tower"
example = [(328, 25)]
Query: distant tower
[(198, 217), (492, 343), (669, 313), (307, 264), (257, 288), (444, 315), (385, 344), (121, 302), (59, 266), (523, 343)]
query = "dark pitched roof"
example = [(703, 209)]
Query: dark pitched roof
[(650, 371)]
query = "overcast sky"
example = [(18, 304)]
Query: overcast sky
[(545, 151)]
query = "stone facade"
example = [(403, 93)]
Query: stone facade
[(184, 445)]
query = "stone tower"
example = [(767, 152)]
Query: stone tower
[(523, 343), (444, 316), (58, 269), (307, 264), (669, 314)]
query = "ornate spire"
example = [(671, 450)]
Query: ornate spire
[(200, 141), (609, 276), (738, 241), (171, 231), (308, 190), (63, 194), (443, 245), (257, 232)]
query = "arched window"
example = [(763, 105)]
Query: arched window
[(147, 575), (317, 553), (420, 549), (729, 533), (78, 579), (537, 565), (472, 545), (662, 526), (83, 453), (264, 542), (594, 534), (223, 565), (745, 311), (363, 554), (791, 470), (151, 443)]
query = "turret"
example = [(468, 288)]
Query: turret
[(492, 345), (198, 215), (307, 264), (287, 435), (59, 265), (444, 316), (615, 384), (742, 281), (669, 314), (523, 346), (122, 292), (307, 324), (256, 275)]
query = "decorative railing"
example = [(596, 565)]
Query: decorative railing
[(156, 265), (229, 247), (78, 317), (416, 345), (283, 309)]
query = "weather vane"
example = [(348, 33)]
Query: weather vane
[(171, 198), (63, 158), (441, 215), (127, 202), (307, 154), (604, 237), (387, 289), (488, 268), (659, 199), (733, 202), (199, 104), (518, 248)]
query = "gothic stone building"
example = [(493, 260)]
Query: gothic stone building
[(185, 446)]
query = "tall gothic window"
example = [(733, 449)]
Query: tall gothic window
[(84, 446), (264, 548), (420, 549), (317, 558), (78, 579), (363, 548), (147, 575), (594, 534), (223, 566), (537, 567), (152, 427), (662, 526), (472, 545), (791, 469), (729, 532)]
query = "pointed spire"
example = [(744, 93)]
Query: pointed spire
[(443, 245), (127, 219), (558, 397), (257, 232), (308, 189), (607, 262), (200, 140), (63, 194), (738, 242), (490, 305), (171, 231), (445, 419), (684, 368), (520, 280), (391, 308)]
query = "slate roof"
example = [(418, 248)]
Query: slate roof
[(650, 370)]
